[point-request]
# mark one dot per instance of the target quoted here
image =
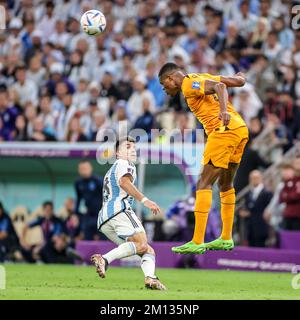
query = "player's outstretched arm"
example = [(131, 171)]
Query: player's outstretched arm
[(127, 185), (238, 80)]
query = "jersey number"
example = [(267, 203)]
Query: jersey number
[(106, 191)]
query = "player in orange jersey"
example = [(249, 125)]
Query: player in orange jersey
[(207, 97)]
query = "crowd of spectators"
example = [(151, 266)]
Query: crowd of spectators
[(59, 84)]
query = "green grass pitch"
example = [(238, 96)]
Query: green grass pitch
[(82, 282)]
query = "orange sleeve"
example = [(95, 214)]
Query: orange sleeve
[(211, 77), (193, 84)]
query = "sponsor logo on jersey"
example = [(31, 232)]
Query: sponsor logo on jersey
[(196, 85)]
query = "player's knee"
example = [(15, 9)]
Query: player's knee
[(150, 250), (224, 186), (141, 248), (203, 185)]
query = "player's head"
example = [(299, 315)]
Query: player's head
[(125, 149), (85, 169), (170, 77)]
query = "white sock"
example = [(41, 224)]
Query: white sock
[(124, 250), (148, 265)]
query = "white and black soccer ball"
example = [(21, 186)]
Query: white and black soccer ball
[(93, 22)]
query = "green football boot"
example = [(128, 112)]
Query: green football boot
[(220, 244), (190, 247)]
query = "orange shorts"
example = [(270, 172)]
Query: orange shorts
[(223, 147)]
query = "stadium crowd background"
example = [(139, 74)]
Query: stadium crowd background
[(58, 84)]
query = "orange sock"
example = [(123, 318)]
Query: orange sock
[(202, 207), (227, 213)]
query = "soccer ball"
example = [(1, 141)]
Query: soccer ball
[(93, 22)]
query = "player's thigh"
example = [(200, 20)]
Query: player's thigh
[(219, 148), (126, 225), (109, 231), (237, 154)]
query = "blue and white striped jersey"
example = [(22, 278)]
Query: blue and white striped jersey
[(115, 199)]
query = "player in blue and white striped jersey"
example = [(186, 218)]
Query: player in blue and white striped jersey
[(116, 199), (117, 220)]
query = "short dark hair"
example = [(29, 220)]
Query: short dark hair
[(49, 4), (167, 68), (20, 66), (123, 139), (84, 160), (47, 203)]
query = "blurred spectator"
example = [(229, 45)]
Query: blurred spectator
[(88, 189), (285, 35), (247, 103), (215, 37), (271, 47), (257, 38), (60, 37), (244, 19), (273, 212), (261, 75), (36, 71), (76, 69), (234, 41), (46, 113), (256, 201), (255, 127), (120, 122), (21, 128), (153, 84), (54, 248), (290, 196), (81, 97), (47, 23), (8, 115), (184, 131), (56, 76), (72, 222), (251, 161), (9, 242), (25, 89), (100, 127), (146, 120), (138, 98), (75, 131), (40, 132)]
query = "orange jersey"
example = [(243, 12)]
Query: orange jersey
[(206, 107)]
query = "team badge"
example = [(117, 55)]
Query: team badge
[(196, 85)]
